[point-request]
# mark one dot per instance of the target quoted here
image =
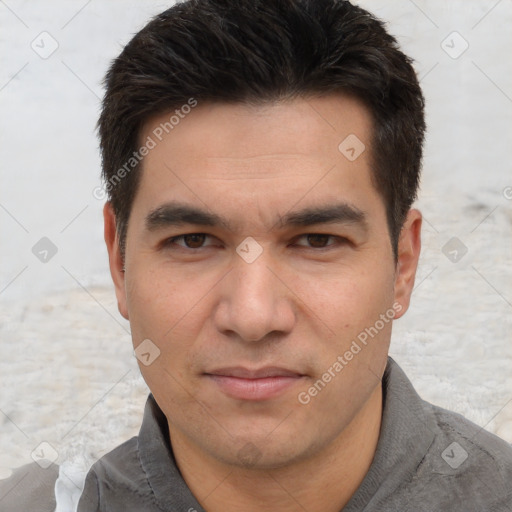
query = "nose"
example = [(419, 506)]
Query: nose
[(254, 302)]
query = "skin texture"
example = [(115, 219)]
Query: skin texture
[(298, 306)]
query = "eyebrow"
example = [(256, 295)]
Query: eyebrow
[(342, 213), (175, 214)]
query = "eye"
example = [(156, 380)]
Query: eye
[(189, 240), (320, 240)]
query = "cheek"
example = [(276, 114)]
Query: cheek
[(170, 315), (165, 310), (347, 301)]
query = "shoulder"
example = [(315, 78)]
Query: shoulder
[(120, 462), (30, 487), (117, 478), (467, 463), (483, 445), (443, 461)]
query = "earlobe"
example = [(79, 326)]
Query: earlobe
[(116, 263), (409, 247)]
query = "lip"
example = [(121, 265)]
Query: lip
[(260, 384)]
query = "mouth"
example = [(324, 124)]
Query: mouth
[(258, 385)]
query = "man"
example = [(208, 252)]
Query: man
[(261, 160)]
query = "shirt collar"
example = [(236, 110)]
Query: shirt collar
[(158, 462), (407, 431)]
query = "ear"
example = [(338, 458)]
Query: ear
[(409, 246), (114, 258)]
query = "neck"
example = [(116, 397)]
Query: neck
[(322, 483)]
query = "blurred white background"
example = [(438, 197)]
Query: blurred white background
[(67, 372)]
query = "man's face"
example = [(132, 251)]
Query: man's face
[(246, 328)]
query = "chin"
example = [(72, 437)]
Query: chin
[(260, 452)]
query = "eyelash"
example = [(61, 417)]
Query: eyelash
[(338, 240)]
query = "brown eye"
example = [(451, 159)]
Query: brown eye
[(188, 241), (194, 240), (321, 241), (318, 240)]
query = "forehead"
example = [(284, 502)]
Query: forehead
[(304, 125), (279, 153)]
